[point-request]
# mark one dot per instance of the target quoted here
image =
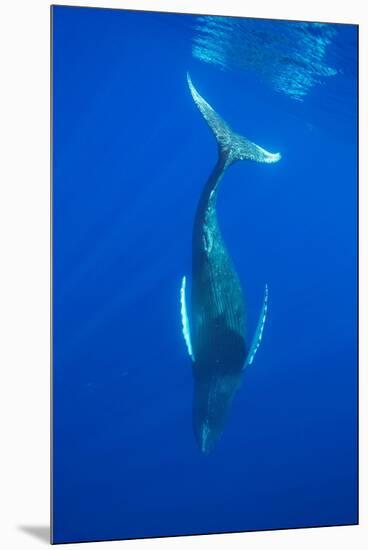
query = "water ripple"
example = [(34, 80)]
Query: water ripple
[(290, 56)]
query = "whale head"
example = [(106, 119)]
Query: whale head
[(212, 400)]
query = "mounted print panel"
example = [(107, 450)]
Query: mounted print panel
[(204, 208)]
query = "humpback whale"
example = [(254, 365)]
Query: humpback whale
[(214, 325)]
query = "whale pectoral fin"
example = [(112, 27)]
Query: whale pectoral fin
[(259, 331), (184, 318)]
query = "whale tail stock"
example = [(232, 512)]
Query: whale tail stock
[(232, 145)]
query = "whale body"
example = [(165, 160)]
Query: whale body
[(214, 324)]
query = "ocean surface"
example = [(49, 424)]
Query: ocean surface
[(131, 154)]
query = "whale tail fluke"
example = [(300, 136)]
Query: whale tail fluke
[(231, 144)]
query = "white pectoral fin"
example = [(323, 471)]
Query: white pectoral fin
[(259, 330), (184, 318)]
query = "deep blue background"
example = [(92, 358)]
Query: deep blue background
[(131, 154)]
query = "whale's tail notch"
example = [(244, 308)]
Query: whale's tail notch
[(231, 144)]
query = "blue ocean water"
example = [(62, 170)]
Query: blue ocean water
[(131, 154)]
